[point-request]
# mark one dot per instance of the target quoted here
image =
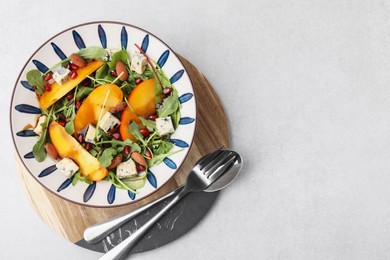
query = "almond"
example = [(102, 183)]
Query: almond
[(78, 60), (138, 158), (121, 70), (118, 108), (51, 151), (115, 161)]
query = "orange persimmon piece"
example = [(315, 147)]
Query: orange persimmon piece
[(143, 103), (89, 111), (67, 146), (48, 98)]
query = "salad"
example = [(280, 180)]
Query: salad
[(105, 115)]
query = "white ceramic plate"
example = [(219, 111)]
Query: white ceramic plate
[(25, 107)]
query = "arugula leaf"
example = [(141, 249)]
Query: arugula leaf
[(34, 78), (121, 55), (134, 130), (118, 183), (39, 148), (176, 118), (134, 183), (163, 148), (77, 177), (106, 157), (83, 92), (69, 127), (170, 105), (158, 158), (150, 125), (92, 52), (158, 91), (102, 71)]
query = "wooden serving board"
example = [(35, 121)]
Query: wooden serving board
[(70, 219)]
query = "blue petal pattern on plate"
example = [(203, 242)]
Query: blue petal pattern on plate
[(111, 194), (26, 133), (89, 192), (102, 36), (171, 164), (145, 43), (179, 143), (163, 58), (186, 120), (47, 171), (29, 155), (58, 51), (78, 40), (40, 66), (185, 97), (131, 195), (26, 85), (177, 76), (152, 179), (65, 184), (28, 109), (124, 38)]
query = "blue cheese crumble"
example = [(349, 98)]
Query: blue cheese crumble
[(164, 125), (67, 167)]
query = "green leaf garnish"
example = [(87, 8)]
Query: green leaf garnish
[(121, 55), (106, 157), (92, 52), (170, 105), (35, 79)]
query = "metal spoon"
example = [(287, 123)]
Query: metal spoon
[(219, 165), (99, 231)]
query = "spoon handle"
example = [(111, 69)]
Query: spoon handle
[(120, 251), (97, 232)]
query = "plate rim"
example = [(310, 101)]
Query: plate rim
[(12, 103)]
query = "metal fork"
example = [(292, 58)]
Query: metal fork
[(207, 170)]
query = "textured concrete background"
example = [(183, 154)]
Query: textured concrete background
[(306, 86)]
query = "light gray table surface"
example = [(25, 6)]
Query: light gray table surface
[(306, 87)]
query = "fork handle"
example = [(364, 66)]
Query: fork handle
[(97, 232), (120, 251)]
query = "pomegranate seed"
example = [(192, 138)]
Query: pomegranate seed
[(116, 136), (145, 132), (153, 117), (113, 73), (62, 123), (138, 80), (127, 149), (86, 82), (167, 91), (48, 77), (47, 87), (74, 66), (140, 168), (148, 154), (88, 146), (68, 66), (163, 99), (73, 75), (69, 96), (78, 104), (80, 138)]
